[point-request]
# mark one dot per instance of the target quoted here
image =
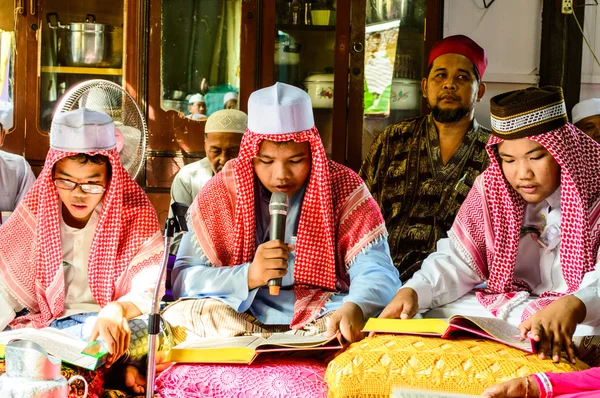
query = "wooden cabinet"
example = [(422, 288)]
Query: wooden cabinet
[(47, 61)]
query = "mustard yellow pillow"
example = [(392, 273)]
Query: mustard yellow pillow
[(373, 366)]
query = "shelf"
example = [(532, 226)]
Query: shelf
[(310, 28), (82, 70)]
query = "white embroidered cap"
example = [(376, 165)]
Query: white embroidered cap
[(6, 115), (587, 108), (230, 96), (280, 109), (227, 121), (196, 98), (82, 130)]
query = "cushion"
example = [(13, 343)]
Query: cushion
[(373, 366), (268, 376)]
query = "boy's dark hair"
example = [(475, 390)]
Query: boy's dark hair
[(85, 158)]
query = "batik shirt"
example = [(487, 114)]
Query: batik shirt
[(419, 196)]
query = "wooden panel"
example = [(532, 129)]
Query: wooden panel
[(340, 81), (248, 51), (160, 201), (434, 31), (267, 39)]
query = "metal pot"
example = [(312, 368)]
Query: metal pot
[(88, 43)]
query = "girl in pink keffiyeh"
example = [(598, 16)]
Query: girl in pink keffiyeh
[(528, 230), (82, 250), (335, 261)]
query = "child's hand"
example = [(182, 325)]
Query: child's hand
[(553, 327), (270, 261), (403, 306), (113, 328), (514, 388), (348, 320)]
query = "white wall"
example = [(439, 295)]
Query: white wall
[(590, 70), (510, 31)]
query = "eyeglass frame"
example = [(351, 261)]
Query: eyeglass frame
[(80, 185)]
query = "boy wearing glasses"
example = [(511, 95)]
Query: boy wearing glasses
[(82, 250)]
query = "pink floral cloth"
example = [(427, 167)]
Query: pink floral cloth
[(266, 377)]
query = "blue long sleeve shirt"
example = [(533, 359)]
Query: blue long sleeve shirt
[(373, 278)]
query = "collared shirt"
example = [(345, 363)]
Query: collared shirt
[(418, 194), (373, 278), (16, 178), (446, 275), (189, 181)]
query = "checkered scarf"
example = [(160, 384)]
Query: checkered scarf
[(127, 241), (339, 218), (488, 225)]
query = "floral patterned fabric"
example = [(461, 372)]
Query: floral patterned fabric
[(267, 377), (373, 366)]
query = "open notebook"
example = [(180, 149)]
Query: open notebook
[(244, 349), (59, 344), (457, 326)]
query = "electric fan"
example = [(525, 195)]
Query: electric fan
[(130, 126)]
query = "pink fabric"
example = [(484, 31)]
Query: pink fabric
[(584, 383), (266, 377), (488, 224), (127, 240), (339, 218)]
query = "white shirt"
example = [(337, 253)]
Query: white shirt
[(189, 181), (445, 276), (16, 178), (76, 244)]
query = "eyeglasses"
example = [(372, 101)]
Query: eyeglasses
[(71, 185)]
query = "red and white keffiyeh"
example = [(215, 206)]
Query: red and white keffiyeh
[(488, 225), (338, 219), (127, 241)]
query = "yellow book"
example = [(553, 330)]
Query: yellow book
[(454, 327), (244, 349)]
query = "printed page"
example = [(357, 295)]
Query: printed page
[(408, 393), (493, 328), (296, 341), (55, 342)]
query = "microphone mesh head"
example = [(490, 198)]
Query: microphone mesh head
[(279, 203)]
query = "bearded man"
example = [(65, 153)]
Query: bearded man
[(420, 170)]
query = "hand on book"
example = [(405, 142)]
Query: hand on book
[(553, 327), (347, 320), (403, 306), (515, 388), (270, 262), (112, 327)]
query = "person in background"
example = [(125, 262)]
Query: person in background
[(230, 101), (586, 117), (16, 176), (197, 107), (222, 137), (334, 263), (82, 251), (529, 229), (420, 170)]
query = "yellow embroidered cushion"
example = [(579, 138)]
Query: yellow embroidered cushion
[(373, 366)]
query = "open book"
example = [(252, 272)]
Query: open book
[(456, 326), (59, 344), (244, 349)]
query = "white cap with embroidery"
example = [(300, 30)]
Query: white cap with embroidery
[(280, 109), (6, 115), (196, 98), (82, 130), (227, 121), (587, 108)]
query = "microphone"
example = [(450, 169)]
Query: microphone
[(278, 209)]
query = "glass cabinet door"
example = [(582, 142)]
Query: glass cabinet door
[(394, 62), (305, 45), (80, 40)]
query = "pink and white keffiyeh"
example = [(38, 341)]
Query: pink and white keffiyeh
[(488, 225), (127, 241), (339, 218)]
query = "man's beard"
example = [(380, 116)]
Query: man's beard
[(449, 115)]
